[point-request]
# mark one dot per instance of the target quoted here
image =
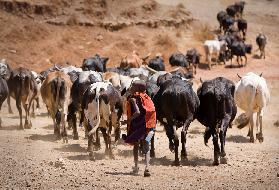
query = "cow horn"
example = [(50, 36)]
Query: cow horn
[(146, 57), (261, 74), (176, 69), (238, 76), (56, 67), (150, 69), (201, 80)]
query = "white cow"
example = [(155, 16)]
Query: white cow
[(38, 80), (213, 47), (252, 95), (103, 109)]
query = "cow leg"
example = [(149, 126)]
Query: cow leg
[(251, 126), (223, 131), (18, 105), (183, 137), (9, 104), (169, 132), (259, 135), (97, 144), (26, 124), (38, 103), (152, 150), (64, 129), (57, 121), (245, 60), (176, 146), (33, 110), (72, 120), (216, 147)]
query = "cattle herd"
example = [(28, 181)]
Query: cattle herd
[(95, 95)]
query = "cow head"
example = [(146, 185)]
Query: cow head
[(248, 48), (89, 96), (5, 70), (96, 63)]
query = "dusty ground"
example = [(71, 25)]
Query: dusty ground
[(33, 159)]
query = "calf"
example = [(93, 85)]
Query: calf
[(239, 49), (157, 63), (103, 108), (217, 111), (38, 80), (252, 95), (176, 106), (132, 61), (220, 16), (23, 89), (193, 58), (55, 92), (96, 63), (85, 79), (261, 42), (239, 7), (213, 47), (242, 27), (4, 92), (178, 59)]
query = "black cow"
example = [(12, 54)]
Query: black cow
[(176, 106), (227, 23), (22, 87), (217, 111), (261, 42), (4, 92), (239, 7), (193, 57), (5, 73), (220, 16), (84, 80), (242, 27), (178, 59), (231, 10), (157, 64), (96, 63), (239, 49)]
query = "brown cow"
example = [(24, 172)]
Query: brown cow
[(22, 87), (55, 92), (133, 61)]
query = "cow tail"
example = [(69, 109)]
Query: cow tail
[(58, 87)]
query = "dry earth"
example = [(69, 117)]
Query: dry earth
[(60, 31)]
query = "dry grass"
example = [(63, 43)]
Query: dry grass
[(163, 40), (203, 32)]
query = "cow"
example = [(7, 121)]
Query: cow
[(5, 73), (55, 92), (231, 10), (239, 49), (227, 23), (252, 95), (261, 41), (96, 63), (38, 80), (178, 59), (176, 106), (85, 79), (220, 16), (193, 58), (133, 61), (214, 47), (103, 108), (23, 88), (4, 92), (157, 63), (216, 112), (239, 7), (242, 27)]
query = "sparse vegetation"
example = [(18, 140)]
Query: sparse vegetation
[(203, 32)]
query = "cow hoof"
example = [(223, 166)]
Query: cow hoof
[(65, 140), (215, 163), (223, 160), (91, 156), (27, 126), (76, 137), (259, 137), (176, 163), (252, 140)]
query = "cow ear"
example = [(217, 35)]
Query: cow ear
[(105, 60), (123, 91)]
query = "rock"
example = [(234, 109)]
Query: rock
[(99, 37)]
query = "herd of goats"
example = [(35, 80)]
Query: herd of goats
[(96, 95)]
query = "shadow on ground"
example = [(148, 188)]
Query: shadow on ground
[(237, 139)]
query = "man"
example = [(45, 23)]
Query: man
[(141, 123)]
